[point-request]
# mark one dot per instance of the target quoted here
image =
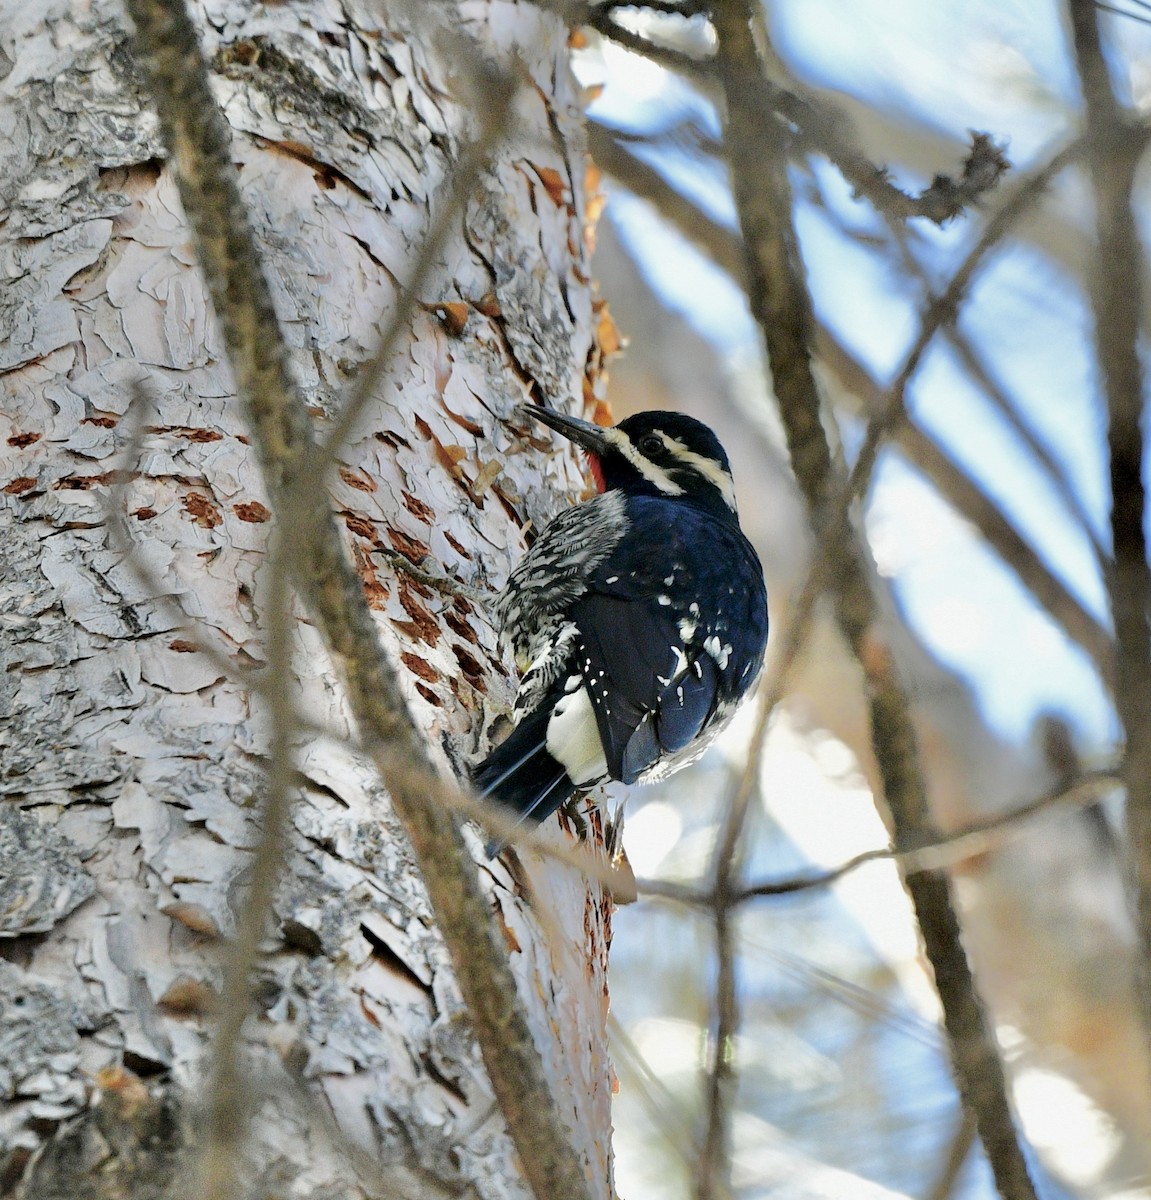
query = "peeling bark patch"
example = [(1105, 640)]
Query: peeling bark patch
[(83, 483), (144, 513), (252, 511), (360, 526), (202, 510), (375, 590), (182, 647), (460, 627), (41, 880), (416, 507), (357, 479), (188, 997), (456, 545), (100, 422), (20, 440), (24, 483), (427, 628), (471, 667), (192, 434), (411, 548), (429, 695), (419, 667)]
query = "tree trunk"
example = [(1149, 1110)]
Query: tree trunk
[(132, 756)]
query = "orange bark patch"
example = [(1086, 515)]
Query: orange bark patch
[(610, 341), (187, 997), (418, 508), (202, 510), (451, 455), (429, 695), (473, 427), (470, 665), (193, 916), (489, 305), (357, 480), (453, 314), (376, 591), (411, 548), (82, 483), (126, 1094), (100, 422), (426, 626), (20, 440), (144, 514), (198, 435), (459, 626), (25, 483), (602, 414), (181, 646), (554, 184), (360, 526), (252, 511), (510, 939), (458, 546), (419, 667)]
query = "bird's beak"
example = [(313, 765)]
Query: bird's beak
[(592, 438)]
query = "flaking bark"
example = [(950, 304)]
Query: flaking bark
[(132, 760)]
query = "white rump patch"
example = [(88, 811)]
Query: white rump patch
[(573, 738)]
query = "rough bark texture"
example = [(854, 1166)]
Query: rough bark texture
[(130, 759)]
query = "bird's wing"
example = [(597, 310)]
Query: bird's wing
[(651, 695)]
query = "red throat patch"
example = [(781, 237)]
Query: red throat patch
[(596, 468)]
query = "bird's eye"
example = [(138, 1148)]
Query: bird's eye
[(651, 445)]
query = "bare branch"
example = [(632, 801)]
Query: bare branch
[(944, 853), (780, 304), (816, 127), (942, 308), (964, 493), (726, 894), (1116, 289), (198, 141)]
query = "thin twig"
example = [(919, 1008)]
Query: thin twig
[(943, 853), (1116, 290), (941, 310), (782, 307), (713, 1169), (199, 143), (981, 373), (958, 1151), (815, 126)]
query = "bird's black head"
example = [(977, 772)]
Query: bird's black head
[(653, 453)]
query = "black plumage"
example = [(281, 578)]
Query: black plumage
[(638, 618)]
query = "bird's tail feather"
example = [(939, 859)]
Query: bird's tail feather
[(521, 775)]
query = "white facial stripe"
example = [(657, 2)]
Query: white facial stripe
[(648, 469), (707, 467)]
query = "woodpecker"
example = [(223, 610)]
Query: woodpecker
[(638, 619)]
